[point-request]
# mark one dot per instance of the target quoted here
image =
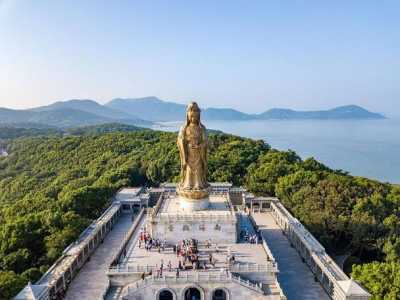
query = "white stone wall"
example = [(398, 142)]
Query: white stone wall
[(174, 232), (233, 290)]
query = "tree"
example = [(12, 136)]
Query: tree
[(381, 279), (263, 175), (52, 187), (10, 284)]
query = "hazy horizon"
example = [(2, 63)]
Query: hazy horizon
[(186, 102), (250, 57)]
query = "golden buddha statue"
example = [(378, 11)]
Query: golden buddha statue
[(192, 144)]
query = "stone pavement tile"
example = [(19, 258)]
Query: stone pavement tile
[(295, 278), (244, 253)]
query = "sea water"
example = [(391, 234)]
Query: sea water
[(369, 148)]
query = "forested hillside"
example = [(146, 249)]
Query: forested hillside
[(52, 187), (12, 132)]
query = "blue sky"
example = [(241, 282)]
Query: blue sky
[(250, 55)]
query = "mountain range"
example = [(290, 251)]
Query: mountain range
[(146, 111), (70, 113)]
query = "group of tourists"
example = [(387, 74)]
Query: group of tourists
[(162, 268), (253, 239), (250, 238), (150, 243), (188, 250), (186, 247)]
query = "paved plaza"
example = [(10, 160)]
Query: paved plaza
[(91, 281), (244, 254), (295, 278)]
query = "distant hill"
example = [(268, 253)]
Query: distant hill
[(145, 111), (57, 118), (89, 106), (150, 108), (71, 113), (227, 114), (342, 112), (14, 116), (154, 109)]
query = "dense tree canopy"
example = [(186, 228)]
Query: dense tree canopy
[(349, 215), (381, 279), (51, 187), (12, 132)]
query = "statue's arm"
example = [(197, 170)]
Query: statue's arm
[(181, 148), (204, 149)]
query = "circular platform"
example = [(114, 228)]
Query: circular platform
[(194, 204)]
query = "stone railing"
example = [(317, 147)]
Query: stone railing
[(127, 238), (59, 275), (325, 270), (251, 267), (154, 211), (230, 205), (215, 277), (253, 222), (195, 217), (235, 268), (268, 251), (247, 283), (183, 278), (104, 295), (280, 291), (126, 269)]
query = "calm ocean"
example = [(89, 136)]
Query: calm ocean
[(369, 148)]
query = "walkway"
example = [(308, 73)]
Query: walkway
[(295, 278), (134, 241), (245, 225), (91, 281)]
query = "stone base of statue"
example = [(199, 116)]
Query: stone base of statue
[(188, 204), (178, 218), (192, 200)]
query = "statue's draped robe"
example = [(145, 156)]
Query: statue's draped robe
[(192, 144)]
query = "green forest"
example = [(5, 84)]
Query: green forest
[(52, 186)]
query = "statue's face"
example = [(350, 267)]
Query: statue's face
[(194, 116)]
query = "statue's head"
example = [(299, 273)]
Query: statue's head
[(193, 113)]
